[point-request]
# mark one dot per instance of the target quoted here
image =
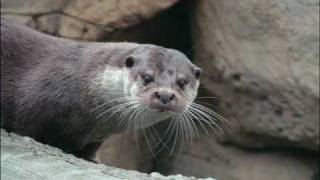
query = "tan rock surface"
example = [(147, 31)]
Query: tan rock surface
[(207, 158), (82, 19), (126, 151), (262, 59)]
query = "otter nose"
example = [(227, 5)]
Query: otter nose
[(164, 97)]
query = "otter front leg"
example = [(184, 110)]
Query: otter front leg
[(89, 152)]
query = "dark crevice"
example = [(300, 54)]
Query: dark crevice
[(170, 29), (236, 77), (278, 112), (263, 97)]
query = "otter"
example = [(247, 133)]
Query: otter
[(73, 95)]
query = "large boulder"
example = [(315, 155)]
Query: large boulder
[(262, 59), (82, 19), (24, 158), (208, 158)]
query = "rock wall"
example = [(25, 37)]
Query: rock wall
[(82, 19), (262, 59), (205, 157)]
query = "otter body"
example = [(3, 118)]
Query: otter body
[(61, 92)]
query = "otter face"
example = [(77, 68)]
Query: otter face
[(147, 85), (163, 80)]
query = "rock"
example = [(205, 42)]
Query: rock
[(27, 20), (207, 158), (24, 158), (32, 7), (262, 59), (68, 27), (82, 19), (126, 151)]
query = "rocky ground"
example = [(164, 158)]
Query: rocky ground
[(24, 158)]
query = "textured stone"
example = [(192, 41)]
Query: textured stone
[(262, 59), (27, 20), (126, 151), (82, 19), (24, 158), (207, 158), (32, 7)]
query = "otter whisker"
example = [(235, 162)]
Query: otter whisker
[(190, 118), (132, 110), (160, 140), (133, 116), (214, 114), (183, 126), (176, 130), (116, 108), (203, 117), (207, 104), (196, 118), (138, 118), (124, 114), (108, 102), (127, 109), (136, 121), (169, 130), (207, 97), (181, 133), (156, 140), (206, 117), (146, 130), (148, 143), (187, 133), (112, 111), (140, 122), (152, 133), (191, 130), (117, 105)]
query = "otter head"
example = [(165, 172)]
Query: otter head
[(163, 81), (153, 83)]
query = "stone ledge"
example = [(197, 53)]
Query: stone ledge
[(24, 158)]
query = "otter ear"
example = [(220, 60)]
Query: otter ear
[(129, 62), (197, 73)]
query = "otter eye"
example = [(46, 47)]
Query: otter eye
[(182, 83), (197, 73), (147, 78), (129, 62)]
